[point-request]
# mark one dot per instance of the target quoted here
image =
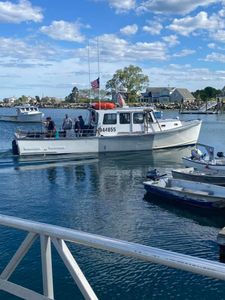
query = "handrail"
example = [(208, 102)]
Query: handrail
[(56, 235), (58, 134)]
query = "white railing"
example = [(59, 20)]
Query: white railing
[(50, 234)]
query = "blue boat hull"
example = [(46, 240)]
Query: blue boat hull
[(165, 196)]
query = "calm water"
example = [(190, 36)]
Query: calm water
[(105, 196)]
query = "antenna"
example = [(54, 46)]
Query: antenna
[(98, 74), (89, 71)]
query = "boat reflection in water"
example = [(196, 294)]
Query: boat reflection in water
[(198, 215)]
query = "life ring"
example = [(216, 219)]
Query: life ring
[(103, 105)]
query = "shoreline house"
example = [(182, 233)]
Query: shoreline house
[(167, 95)]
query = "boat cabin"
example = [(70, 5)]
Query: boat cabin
[(130, 120), (26, 109)]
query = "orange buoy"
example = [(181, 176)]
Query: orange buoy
[(103, 105)]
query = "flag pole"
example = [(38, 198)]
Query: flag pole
[(98, 74)]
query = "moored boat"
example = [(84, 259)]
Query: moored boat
[(187, 192), (108, 130), (208, 160), (207, 176), (24, 114)]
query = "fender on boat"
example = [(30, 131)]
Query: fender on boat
[(103, 105)]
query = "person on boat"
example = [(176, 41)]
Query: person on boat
[(50, 126), (77, 127), (67, 124), (196, 154), (81, 120)]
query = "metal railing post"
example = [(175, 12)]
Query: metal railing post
[(46, 260)]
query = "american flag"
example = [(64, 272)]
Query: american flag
[(95, 84), (120, 100)]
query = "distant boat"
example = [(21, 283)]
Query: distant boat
[(24, 114), (207, 176), (187, 192)]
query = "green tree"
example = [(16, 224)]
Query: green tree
[(23, 99), (73, 96), (38, 100), (131, 79), (207, 93)]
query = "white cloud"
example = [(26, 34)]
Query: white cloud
[(118, 50), (187, 25), (215, 57), (19, 50), (153, 27), (173, 6), (219, 35), (17, 13), (64, 31), (212, 45), (171, 40), (113, 48), (122, 6), (129, 29), (185, 76), (184, 52)]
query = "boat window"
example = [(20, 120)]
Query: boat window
[(35, 108), (109, 119), (27, 109), (138, 118), (124, 118)]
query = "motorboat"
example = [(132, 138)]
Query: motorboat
[(203, 157), (24, 114), (186, 192), (207, 176), (108, 130)]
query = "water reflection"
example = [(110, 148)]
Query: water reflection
[(80, 173), (204, 217), (52, 174)]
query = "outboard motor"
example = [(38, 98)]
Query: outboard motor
[(154, 175), (220, 154)]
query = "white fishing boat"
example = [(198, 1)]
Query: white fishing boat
[(186, 192), (114, 129), (24, 114), (208, 160), (207, 176)]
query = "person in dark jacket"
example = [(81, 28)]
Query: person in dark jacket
[(50, 126), (81, 120), (77, 127)]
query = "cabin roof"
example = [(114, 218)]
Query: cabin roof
[(122, 109)]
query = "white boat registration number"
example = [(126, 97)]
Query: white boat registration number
[(107, 129)]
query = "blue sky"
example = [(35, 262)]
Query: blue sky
[(44, 44)]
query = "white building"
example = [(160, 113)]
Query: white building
[(167, 95)]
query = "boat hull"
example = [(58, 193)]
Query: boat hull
[(202, 164), (212, 177), (31, 118), (197, 199), (182, 136)]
